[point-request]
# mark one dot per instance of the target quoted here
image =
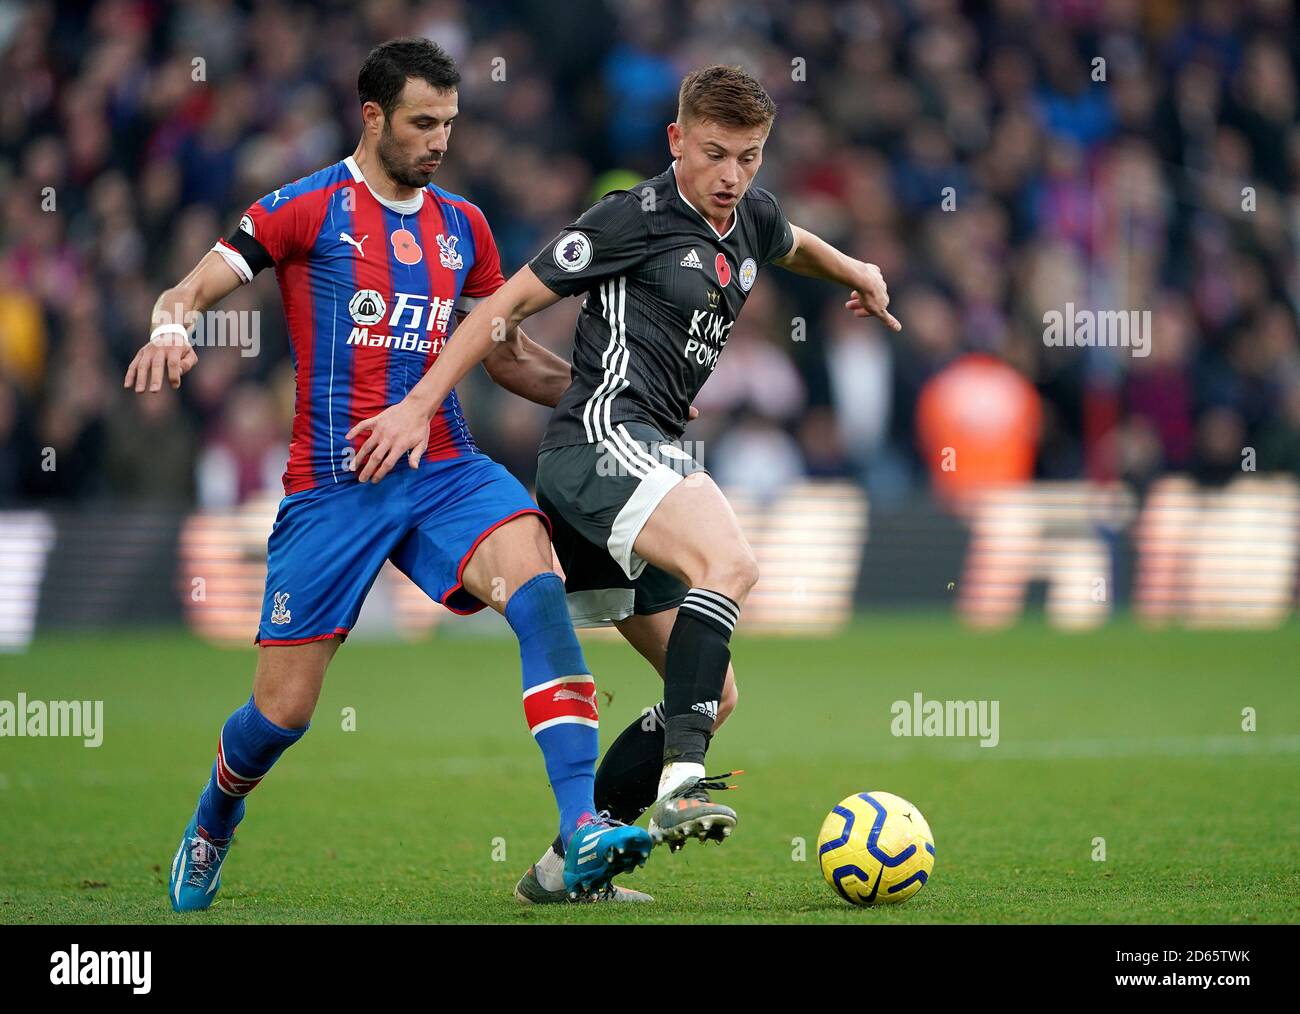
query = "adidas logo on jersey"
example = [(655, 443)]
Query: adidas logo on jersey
[(692, 260), (709, 709)]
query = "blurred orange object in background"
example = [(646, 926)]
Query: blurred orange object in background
[(978, 425)]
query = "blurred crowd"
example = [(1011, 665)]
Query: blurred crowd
[(995, 159)]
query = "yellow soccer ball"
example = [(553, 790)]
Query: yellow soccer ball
[(875, 848)]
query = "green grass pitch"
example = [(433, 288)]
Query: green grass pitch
[(1124, 734)]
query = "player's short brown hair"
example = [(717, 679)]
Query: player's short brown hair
[(726, 95)]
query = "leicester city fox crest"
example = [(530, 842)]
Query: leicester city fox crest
[(447, 255)]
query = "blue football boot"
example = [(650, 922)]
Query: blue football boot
[(196, 870), (601, 849)]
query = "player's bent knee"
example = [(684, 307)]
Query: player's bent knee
[(733, 574)]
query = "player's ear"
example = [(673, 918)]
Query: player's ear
[(675, 139), (372, 116)]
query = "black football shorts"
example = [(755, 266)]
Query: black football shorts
[(598, 498)]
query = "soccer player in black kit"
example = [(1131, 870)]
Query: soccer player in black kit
[(645, 537)]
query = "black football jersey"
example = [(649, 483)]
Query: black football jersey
[(663, 290)]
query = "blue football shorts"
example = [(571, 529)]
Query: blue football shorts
[(329, 543)]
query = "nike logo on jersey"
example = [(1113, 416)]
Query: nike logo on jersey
[(692, 260), (354, 242)]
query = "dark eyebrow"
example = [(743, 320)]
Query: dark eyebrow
[(753, 149)]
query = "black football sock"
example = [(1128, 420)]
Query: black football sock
[(695, 671), (627, 781)]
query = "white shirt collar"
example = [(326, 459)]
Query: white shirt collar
[(735, 212), (407, 207)]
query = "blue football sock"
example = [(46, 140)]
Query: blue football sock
[(250, 743), (559, 695)]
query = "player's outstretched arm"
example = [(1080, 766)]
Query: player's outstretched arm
[(523, 367), (403, 429), (813, 256), (168, 349)]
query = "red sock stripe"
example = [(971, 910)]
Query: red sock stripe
[(567, 699), (229, 782)]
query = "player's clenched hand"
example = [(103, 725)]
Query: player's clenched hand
[(871, 297), (170, 354), (397, 430)]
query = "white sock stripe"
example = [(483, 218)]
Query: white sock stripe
[(717, 599), (709, 613), (705, 605), (709, 593), (566, 719), (221, 742), (556, 682), (729, 608)]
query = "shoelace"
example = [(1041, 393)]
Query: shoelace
[(604, 817), (607, 893), (713, 783), (200, 865)]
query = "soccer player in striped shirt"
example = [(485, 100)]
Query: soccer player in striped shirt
[(373, 261)]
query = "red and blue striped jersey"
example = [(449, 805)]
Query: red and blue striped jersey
[(369, 289)]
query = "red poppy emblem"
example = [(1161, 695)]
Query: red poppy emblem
[(405, 248), (723, 269)]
